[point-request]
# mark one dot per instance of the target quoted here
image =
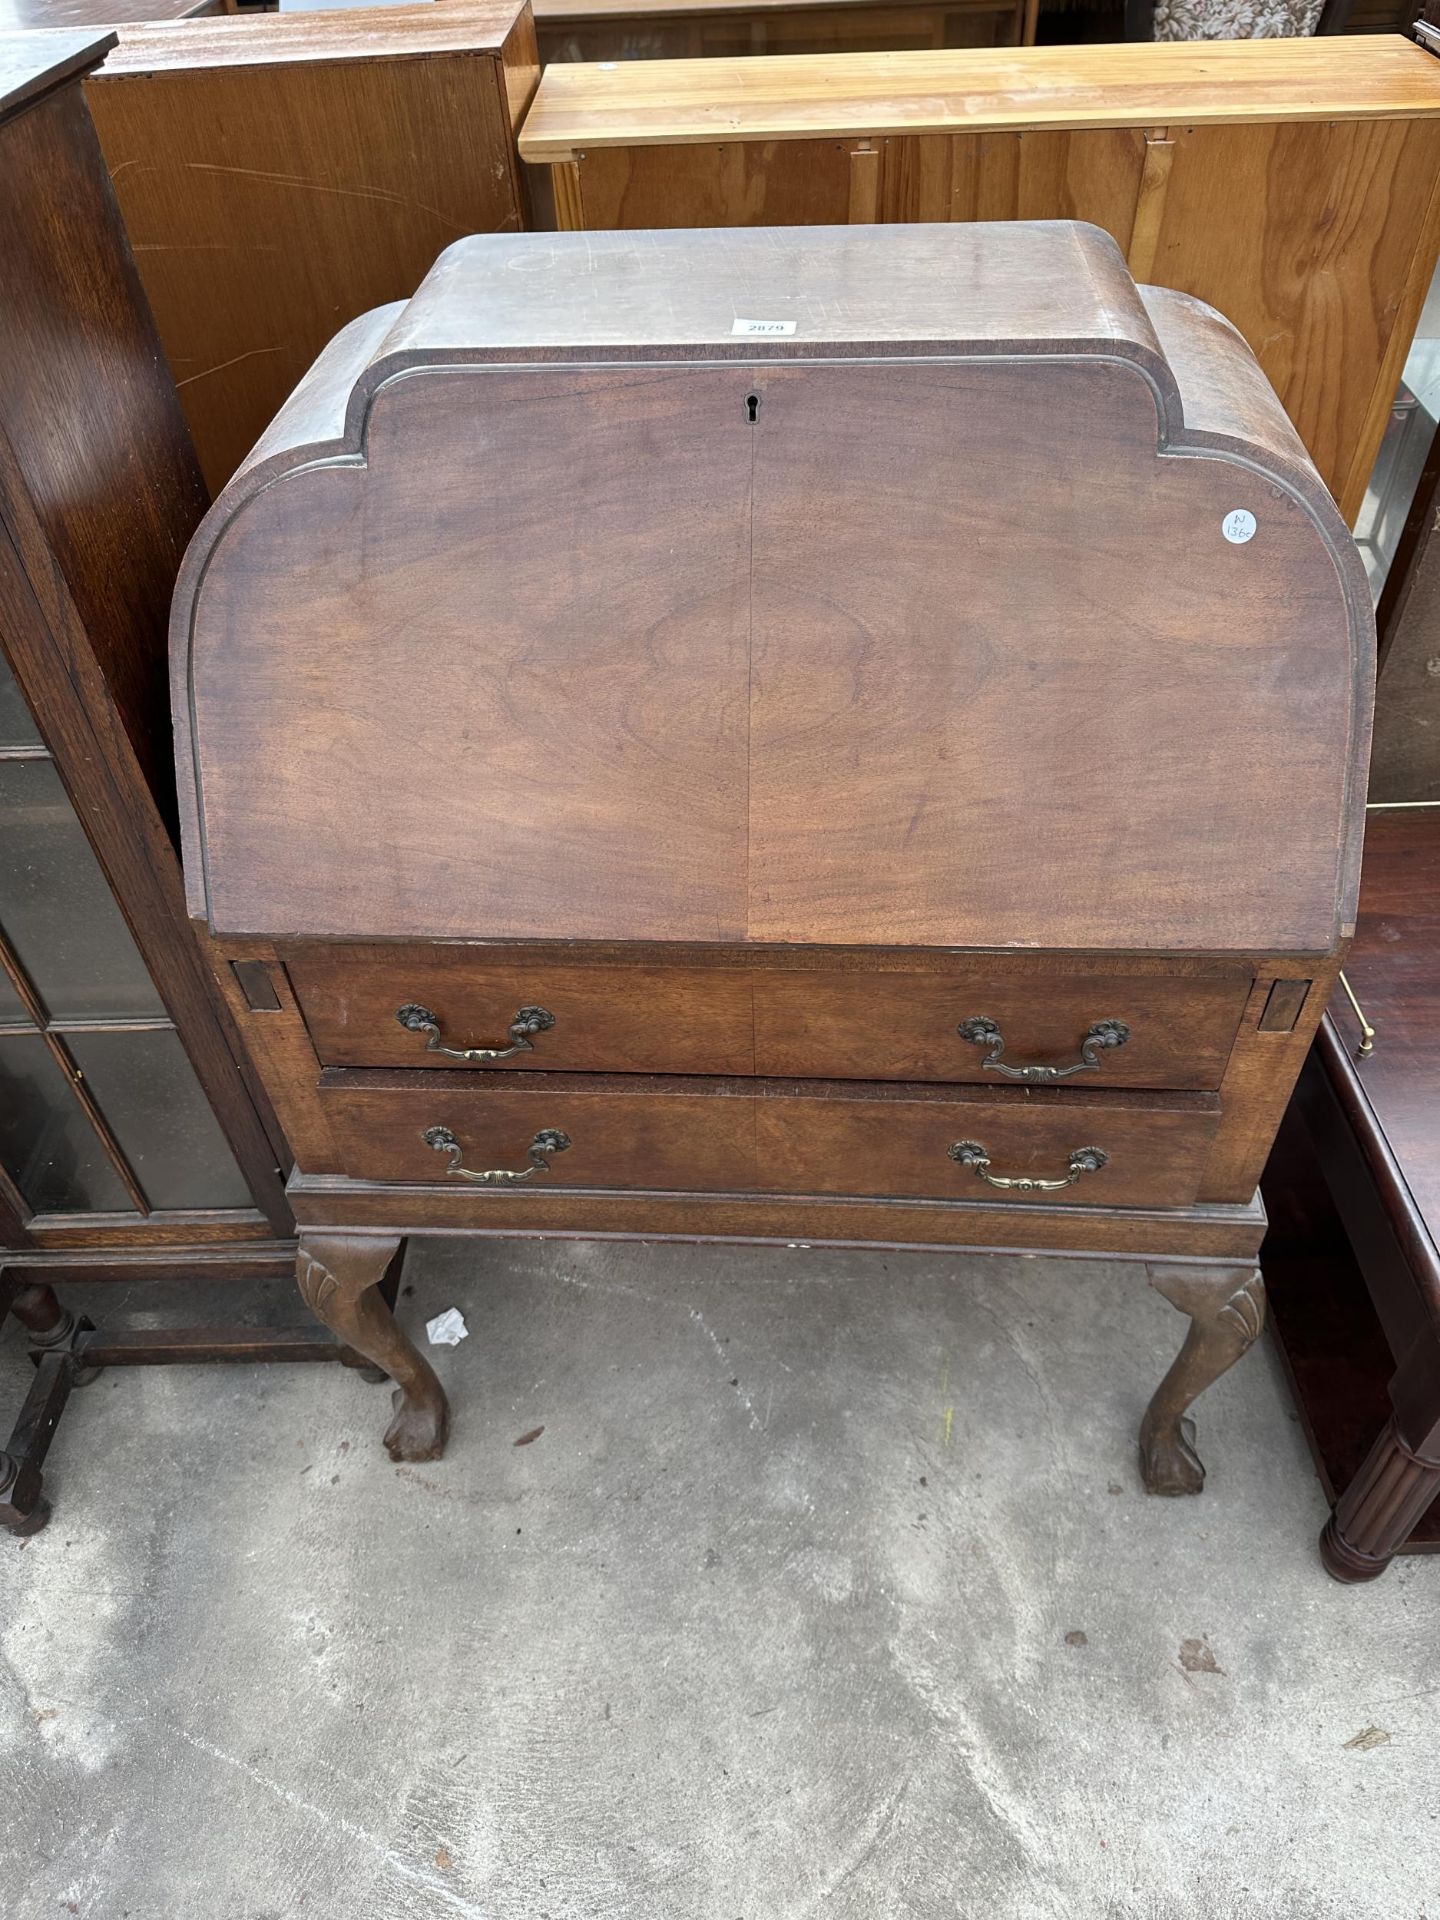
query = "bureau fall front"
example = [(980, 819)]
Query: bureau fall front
[(850, 735)]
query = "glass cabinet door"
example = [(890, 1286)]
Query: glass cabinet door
[(100, 1110)]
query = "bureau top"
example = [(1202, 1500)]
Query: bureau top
[(906, 586), (1048, 284), (581, 107)]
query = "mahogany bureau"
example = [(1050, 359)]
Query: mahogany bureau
[(850, 735)]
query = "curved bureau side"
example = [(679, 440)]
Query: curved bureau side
[(310, 425), (1230, 407)]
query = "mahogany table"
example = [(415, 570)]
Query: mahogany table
[(1353, 1192)]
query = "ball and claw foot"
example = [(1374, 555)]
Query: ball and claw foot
[(1169, 1464), (418, 1432)]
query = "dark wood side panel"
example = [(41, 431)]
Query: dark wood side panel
[(115, 490), (99, 492), (1261, 1071)]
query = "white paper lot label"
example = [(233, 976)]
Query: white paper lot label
[(776, 327)]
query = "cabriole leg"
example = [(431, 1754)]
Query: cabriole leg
[(1226, 1306), (340, 1276)]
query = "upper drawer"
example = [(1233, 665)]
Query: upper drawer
[(992, 1023)]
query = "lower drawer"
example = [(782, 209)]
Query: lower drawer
[(759, 1136)]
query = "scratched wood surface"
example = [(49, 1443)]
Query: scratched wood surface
[(1292, 184), (279, 176), (614, 653)]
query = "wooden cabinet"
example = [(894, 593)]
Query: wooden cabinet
[(1292, 184), (705, 29), (280, 174), (128, 1138), (855, 735)]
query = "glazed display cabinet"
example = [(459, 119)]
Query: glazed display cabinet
[(131, 1145)]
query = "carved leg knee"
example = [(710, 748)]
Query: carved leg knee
[(1226, 1306), (339, 1276)]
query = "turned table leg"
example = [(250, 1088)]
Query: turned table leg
[(42, 1316), (1379, 1509), (1226, 1306), (339, 1276)]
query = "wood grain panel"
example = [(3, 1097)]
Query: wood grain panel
[(96, 430), (800, 184), (1311, 258), (970, 777), (279, 1052), (1091, 176), (802, 1137), (574, 738)]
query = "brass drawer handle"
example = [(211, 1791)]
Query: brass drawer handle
[(970, 1153), (527, 1021), (985, 1032), (548, 1140)]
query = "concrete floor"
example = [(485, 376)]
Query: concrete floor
[(828, 1589)]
